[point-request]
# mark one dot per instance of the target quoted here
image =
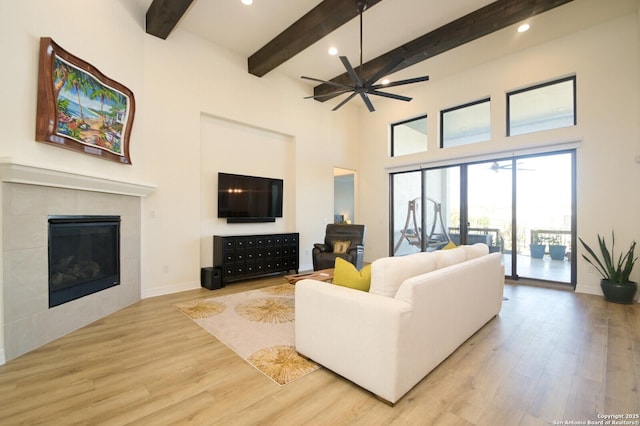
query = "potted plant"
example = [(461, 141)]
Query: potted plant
[(556, 250), (537, 247), (615, 273)]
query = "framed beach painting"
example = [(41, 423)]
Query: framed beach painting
[(81, 109)]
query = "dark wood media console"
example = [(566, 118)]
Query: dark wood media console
[(246, 256)]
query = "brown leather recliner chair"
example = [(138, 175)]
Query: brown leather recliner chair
[(324, 255)]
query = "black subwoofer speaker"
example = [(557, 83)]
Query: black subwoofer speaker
[(211, 278)]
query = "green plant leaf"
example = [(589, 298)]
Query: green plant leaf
[(612, 269), (596, 262)]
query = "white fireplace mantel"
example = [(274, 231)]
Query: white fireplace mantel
[(21, 172)]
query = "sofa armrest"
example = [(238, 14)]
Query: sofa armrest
[(450, 305), (356, 334)]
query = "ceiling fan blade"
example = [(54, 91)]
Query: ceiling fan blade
[(351, 71), (347, 99), (367, 101), (390, 95), (401, 82), (332, 83), (329, 95), (384, 71)]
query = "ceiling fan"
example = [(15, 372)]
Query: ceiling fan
[(361, 86), (496, 167)]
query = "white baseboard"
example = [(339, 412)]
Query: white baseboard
[(3, 360), (175, 288), (169, 289), (595, 290)]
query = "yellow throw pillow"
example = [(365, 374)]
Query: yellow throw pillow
[(346, 275), (449, 246), (341, 247)]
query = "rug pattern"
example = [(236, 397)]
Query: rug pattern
[(258, 325)]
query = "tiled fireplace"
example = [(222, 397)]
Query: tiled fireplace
[(30, 196)]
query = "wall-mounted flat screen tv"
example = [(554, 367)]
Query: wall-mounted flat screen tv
[(249, 198)]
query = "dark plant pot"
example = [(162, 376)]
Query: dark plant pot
[(619, 293), (557, 252), (537, 251)]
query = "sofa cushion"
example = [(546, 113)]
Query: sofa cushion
[(388, 273), (476, 250), (446, 258), (346, 275)]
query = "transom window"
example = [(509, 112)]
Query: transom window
[(409, 136), (542, 107), (465, 124)]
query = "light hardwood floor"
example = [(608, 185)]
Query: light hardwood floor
[(550, 355)]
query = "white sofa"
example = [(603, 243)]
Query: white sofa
[(420, 308)]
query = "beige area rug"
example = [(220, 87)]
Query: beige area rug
[(257, 325)]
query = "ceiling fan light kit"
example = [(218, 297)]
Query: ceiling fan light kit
[(362, 86)]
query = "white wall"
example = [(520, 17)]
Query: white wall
[(605, 60), (198, 90), (113, 44), (176, 82), (233, 148)]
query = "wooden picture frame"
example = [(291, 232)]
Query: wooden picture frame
[(81, 109)]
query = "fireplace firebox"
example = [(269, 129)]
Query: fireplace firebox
[(84, 256)]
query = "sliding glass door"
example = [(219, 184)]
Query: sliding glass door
[(522, 207), (425, 209), (489, 204), (406, 213), (544, 210), (442, 206)]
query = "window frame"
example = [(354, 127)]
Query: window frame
[(536, 87), (399, 123), (458, 107)]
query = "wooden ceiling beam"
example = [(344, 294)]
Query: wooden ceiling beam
[(317, 23), (163, 15), (484, 21)]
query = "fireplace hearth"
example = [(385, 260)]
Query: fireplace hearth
[(84, 256)]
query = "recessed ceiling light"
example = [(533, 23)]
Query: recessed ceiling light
[(247, 2), (385, 81), (522, 28), (333, 51)]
